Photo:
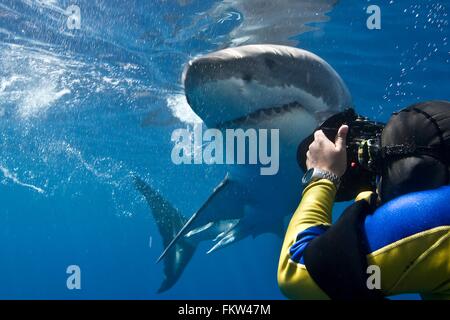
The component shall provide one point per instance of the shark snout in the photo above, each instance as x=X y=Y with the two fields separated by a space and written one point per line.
x=261 y=82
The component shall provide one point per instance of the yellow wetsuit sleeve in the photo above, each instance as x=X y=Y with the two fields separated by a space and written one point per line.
x=314 y=209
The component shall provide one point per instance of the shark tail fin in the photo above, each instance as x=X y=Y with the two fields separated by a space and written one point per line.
x=169 y=222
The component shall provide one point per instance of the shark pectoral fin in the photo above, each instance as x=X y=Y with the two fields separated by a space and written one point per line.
x=177 y=237
x=207 y=212
x=239 y=230
x=227 y=239
x=169 y=221
x=251 y=224
x=198 y=230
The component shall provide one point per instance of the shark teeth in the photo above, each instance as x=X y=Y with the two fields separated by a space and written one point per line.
x=265 y=113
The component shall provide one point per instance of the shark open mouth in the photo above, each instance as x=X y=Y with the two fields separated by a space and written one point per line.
x=261 y=114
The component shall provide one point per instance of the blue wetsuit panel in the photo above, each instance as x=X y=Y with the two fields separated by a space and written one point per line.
x=408 y=215
x=398 y=219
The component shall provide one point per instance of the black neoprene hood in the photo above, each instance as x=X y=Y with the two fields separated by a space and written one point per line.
x=420 y=135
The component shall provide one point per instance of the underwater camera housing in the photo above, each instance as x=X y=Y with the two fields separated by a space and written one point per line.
x=363 y=152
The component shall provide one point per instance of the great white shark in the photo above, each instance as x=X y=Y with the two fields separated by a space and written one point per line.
x=260 y=87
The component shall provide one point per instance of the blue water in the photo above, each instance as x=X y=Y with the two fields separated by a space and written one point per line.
x=81 y=111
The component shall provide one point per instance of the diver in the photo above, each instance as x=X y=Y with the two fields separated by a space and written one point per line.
x=398 y=175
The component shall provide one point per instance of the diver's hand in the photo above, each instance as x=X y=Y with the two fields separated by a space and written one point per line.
x=327 y=155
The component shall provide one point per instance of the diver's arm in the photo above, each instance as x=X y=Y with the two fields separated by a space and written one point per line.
x=315 y=207
x=312 y=215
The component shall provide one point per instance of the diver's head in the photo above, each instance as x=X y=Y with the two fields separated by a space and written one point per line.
x=415 y=146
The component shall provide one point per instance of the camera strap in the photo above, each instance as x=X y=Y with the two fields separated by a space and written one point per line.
x=409 y=150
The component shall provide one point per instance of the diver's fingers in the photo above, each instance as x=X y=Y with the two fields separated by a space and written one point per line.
x=341 y=138
x=319 y=135
x=320 y=138
x=314 y=146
